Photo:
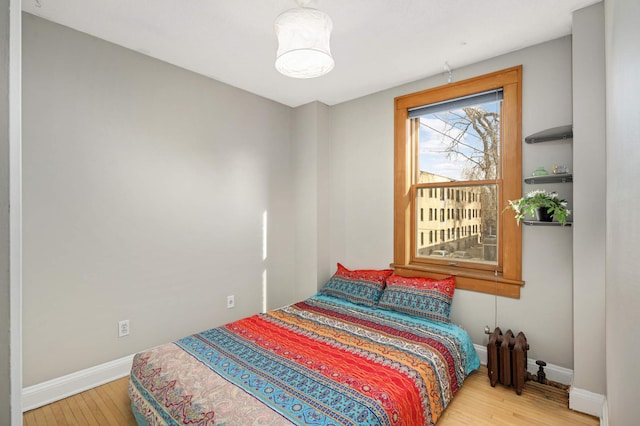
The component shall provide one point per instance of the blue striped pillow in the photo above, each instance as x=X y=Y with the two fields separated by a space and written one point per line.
x=362 y=286
x=420 y=297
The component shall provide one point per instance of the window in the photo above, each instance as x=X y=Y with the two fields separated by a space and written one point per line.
x=472 y=127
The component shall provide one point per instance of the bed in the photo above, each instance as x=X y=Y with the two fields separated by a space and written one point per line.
x=337 y=358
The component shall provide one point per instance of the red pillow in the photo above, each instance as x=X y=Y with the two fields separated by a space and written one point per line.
x=362 y=286
x=418 y=296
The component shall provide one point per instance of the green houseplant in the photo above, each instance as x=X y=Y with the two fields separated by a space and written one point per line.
x=543 y=205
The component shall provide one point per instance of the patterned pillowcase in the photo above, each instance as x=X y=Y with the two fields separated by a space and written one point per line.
x=363 y=286
x=420 y=297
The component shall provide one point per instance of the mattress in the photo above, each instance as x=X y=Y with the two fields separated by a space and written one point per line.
x=322 y=361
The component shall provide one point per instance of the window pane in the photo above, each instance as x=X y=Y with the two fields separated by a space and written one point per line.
x=470 y=238
x=465 y=165
x=461 y=144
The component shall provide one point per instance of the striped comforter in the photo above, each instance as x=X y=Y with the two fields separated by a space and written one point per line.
x=323 y=361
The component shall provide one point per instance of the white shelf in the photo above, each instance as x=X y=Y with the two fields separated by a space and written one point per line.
x=540 y=223
x=554 y=134
x=553 y=178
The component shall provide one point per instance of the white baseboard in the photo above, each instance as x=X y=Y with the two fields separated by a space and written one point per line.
x=579 y=399
x=588 y=402
x=54 y=390
x=604 y=419
x=553 y=372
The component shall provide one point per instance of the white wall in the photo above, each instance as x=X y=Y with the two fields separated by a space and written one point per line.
x=311 y=168
x=144 y=189
x=5 y=382
x=361 y=208
x=362 y=199
x=623 y=203
x=589 y=227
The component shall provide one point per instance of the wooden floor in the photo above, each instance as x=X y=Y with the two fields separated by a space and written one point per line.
x=108 y=404
x=477 y=403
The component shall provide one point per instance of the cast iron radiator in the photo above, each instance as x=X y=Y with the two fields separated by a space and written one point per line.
x=507 y=359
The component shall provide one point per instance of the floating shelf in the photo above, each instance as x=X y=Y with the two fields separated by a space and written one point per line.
x=556 y=133
x=554 y=178
x=539 y=223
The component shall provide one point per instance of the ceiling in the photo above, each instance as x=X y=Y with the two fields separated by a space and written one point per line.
x=376 y=44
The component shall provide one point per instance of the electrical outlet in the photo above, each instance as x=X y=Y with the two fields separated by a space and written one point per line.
x=123 y=328
x=231 y=301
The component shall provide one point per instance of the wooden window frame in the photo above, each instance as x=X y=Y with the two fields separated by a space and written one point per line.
x=505 y=280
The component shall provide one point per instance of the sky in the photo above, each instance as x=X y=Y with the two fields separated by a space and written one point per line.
x=432 y=148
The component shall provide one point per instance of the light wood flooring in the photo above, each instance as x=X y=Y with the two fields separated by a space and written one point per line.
x=477 y=403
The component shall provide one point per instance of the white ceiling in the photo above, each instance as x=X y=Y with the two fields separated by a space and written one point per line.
x=376 y=44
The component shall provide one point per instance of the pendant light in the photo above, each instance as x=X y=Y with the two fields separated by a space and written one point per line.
x=303 y=42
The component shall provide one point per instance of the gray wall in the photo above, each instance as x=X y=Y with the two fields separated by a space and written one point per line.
x=5 y=382
x=623 y=203
x=311 y=168
x=362 y=199
x=146 y=184
x=589 y=231
x=145 y=187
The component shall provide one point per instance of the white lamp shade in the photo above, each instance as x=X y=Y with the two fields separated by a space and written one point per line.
x=303 y=43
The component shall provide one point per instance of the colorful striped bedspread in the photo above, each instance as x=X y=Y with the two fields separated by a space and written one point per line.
x=323 y=361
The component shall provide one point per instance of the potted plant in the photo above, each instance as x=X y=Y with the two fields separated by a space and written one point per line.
x=544 y=206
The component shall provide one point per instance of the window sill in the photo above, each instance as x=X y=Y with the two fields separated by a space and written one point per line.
x=465 y=279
